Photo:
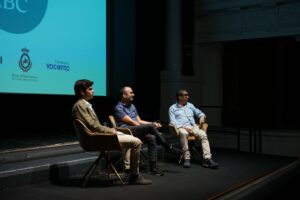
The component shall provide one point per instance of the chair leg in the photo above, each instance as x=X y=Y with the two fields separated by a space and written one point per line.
x=116 y=172
x=110 y=165
x=88 y=174
x=194 y=149
x=180 y=159
x=118 y=161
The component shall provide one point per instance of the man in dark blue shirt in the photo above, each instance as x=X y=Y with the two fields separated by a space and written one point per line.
x=126 y=115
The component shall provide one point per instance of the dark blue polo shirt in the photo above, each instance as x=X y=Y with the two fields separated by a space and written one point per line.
x=121 y=110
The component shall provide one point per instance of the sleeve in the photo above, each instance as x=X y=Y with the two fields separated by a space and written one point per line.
x=93 y=123
x=172 y=118
x=197 y=112
x=119 y=112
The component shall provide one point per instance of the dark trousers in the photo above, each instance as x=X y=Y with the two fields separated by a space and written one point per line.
x=150 y=135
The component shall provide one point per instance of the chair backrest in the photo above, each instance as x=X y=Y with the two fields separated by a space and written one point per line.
x=114 y=125
x=94 y=141
x=112 y=121
x=173 y=129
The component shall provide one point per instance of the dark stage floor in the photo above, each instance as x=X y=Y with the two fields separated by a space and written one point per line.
x=237 y=169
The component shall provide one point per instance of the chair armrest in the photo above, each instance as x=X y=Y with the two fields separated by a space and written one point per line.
x=112 y=121
x=103 y=141
x=124 y=130
x=173 y=129
x=203 y=126
x=102 y=134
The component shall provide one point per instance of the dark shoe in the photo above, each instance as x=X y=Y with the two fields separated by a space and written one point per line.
x=174 y=150
x=138 y=180
x=126 y=174
x=187 y=163
x=156 y=172
x=209 y=163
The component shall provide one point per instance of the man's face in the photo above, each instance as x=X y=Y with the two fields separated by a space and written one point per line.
x=88 y=93
x=128 y=94
x=183 y=97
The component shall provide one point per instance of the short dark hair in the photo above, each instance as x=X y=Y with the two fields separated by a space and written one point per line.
x=179 y=93
x=82 y=85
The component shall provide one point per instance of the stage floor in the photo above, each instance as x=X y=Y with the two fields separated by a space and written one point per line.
x=237 y=169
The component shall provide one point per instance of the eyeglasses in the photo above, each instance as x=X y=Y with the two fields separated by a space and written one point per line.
x=184 y=95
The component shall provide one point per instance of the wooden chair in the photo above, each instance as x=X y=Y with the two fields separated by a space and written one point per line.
x=102 y=142
x=191 y=138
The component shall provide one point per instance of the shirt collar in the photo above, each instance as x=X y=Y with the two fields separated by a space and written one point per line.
x=180 y=106
x=125 y=105
x=86 y=102
x=89 y=105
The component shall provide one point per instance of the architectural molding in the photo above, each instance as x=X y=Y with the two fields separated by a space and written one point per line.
x=236 y=22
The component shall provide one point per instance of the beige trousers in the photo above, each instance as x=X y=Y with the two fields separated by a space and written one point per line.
x=200 y=135
x=132 y=145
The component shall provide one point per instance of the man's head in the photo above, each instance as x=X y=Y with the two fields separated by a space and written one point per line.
x=182 y=96
x=126 y=94
x=84 y=89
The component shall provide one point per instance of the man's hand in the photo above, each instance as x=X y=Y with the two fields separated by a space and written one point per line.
x=156 y=124
x=114 y=131
x=189 y=129
x=202 y=120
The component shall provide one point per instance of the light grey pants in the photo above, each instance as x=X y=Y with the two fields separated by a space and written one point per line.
x=134 y=145
x=200 y=135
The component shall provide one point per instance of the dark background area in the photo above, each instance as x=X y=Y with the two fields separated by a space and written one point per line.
x=261 y=82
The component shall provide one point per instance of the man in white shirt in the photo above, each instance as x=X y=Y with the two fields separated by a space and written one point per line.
x=182 y=114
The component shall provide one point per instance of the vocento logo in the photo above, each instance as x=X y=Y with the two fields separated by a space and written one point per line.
x=21 y=16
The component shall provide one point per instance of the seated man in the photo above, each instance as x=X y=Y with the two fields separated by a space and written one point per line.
x=126 y=115
x=182 y=114
x=83 y=110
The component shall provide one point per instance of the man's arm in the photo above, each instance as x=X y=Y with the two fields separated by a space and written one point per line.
x=93 y=123
x=197 y=112
x=126 y=119
x=140 y=121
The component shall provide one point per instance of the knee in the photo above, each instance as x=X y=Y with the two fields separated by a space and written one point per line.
x=150 y=138
x=150 y=128
x=137 y=142
x=183 y=134
x=202 y=136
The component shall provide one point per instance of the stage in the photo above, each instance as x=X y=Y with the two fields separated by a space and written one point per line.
x=241 y=175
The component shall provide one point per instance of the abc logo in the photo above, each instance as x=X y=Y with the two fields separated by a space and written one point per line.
x=21 y=16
